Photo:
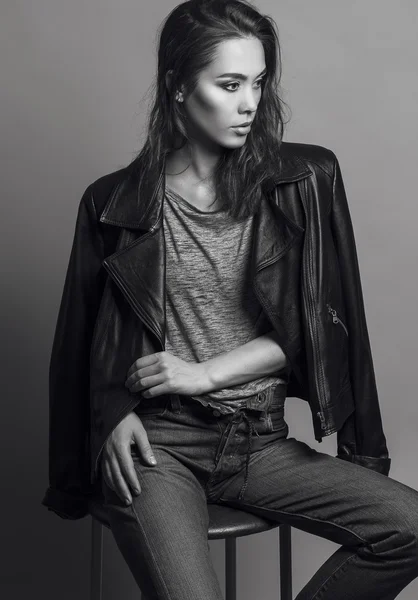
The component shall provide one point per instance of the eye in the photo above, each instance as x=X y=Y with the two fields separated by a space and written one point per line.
x=226 y=87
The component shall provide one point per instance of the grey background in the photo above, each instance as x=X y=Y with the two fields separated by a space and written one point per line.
x=73 y=87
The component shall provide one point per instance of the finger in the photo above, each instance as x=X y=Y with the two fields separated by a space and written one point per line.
x=146 y=382
x=138 y=376
x=128 y=469
x=144 y=447
x=159 y=390
x=144 y=361
x=121 y=487
x=134 y=367
x=107 y=475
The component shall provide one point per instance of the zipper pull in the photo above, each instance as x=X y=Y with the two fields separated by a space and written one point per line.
x=333 y=312
x=335 y=319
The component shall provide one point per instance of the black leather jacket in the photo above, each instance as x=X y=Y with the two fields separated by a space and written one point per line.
x=305 y=274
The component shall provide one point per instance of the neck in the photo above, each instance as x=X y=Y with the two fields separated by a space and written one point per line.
x=194 y=161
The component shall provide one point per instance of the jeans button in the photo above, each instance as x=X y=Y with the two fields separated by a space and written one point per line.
x=216 y=413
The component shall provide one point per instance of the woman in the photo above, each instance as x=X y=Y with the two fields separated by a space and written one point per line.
x=209 y=280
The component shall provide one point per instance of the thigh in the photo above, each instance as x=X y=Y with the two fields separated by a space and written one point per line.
x=163 y=534
x=346 y=503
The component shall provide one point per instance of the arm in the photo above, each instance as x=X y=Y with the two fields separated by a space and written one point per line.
x=69 y=405
x=361 y=439
x=257 y=358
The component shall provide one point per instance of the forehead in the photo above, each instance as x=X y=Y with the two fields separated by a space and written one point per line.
x=242 y=55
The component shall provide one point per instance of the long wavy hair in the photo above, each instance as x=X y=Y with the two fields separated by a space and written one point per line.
x=188 y=41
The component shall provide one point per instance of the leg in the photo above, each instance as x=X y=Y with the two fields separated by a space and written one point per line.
x=373 y=517
x=163 y=534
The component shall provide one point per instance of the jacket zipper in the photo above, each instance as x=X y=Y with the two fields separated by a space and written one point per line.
x=319 y=368
x=335 y=318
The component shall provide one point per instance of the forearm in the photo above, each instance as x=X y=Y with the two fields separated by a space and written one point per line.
x=257 y=358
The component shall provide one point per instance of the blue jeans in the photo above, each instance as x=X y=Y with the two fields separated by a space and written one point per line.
x=247 y=460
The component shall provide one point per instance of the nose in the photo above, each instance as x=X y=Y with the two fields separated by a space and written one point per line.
x=249 y=103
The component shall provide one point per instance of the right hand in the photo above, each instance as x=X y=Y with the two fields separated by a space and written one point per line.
x=117 y=465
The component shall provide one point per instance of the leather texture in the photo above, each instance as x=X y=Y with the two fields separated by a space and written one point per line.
x=305 y=273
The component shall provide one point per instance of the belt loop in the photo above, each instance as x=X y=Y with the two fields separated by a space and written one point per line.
x=278 y=393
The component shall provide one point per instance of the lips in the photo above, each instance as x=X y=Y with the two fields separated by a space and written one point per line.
x=244 y=124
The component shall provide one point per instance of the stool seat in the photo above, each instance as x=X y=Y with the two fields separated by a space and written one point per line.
x=224 y=521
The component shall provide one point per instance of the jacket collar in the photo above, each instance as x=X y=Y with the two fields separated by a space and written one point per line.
x=123 y=207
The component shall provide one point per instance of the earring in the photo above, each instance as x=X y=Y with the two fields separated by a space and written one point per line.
x=179 y=97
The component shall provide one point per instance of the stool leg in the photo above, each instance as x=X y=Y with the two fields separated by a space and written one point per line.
x=285 y=544
x=231 y=568
x=96 y=564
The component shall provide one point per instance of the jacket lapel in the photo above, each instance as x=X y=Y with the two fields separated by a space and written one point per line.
x=138 y=264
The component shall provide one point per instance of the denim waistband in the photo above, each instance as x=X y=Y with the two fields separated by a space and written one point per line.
x=270 y=399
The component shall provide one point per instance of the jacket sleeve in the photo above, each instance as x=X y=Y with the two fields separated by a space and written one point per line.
x=69 y=405
x=361 y=439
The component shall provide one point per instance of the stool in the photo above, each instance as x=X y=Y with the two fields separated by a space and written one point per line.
x=225 y=523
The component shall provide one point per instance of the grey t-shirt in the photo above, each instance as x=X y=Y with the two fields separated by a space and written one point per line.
x=211 y=307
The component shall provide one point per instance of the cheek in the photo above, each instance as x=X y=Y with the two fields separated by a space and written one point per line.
x=211 y=108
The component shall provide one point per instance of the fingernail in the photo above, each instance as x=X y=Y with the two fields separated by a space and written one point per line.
x=152 y=460
x=127 y=500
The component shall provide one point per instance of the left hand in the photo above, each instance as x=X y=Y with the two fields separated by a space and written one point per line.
x=164 y=373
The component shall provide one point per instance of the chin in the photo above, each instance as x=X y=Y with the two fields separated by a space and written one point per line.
x=239 y=141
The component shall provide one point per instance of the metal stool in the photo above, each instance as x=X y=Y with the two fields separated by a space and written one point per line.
x=224 y=523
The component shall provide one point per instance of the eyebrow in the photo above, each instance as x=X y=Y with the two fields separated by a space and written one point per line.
x=240 y=75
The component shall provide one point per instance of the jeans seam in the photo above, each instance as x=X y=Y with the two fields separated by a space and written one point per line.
x=298 y=515
x=395 y=505
x=349 y=558
x=327 y=488
x=150 y=549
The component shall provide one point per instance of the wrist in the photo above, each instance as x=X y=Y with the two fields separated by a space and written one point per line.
x=205 y=378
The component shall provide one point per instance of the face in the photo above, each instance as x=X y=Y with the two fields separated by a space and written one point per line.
x=220 y=102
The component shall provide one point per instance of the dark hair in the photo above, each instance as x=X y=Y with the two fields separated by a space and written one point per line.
x=188 y=40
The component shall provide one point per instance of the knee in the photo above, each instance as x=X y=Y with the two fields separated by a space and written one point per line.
x=400 y=541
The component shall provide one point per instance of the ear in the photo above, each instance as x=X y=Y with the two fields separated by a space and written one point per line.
x=168 y=78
